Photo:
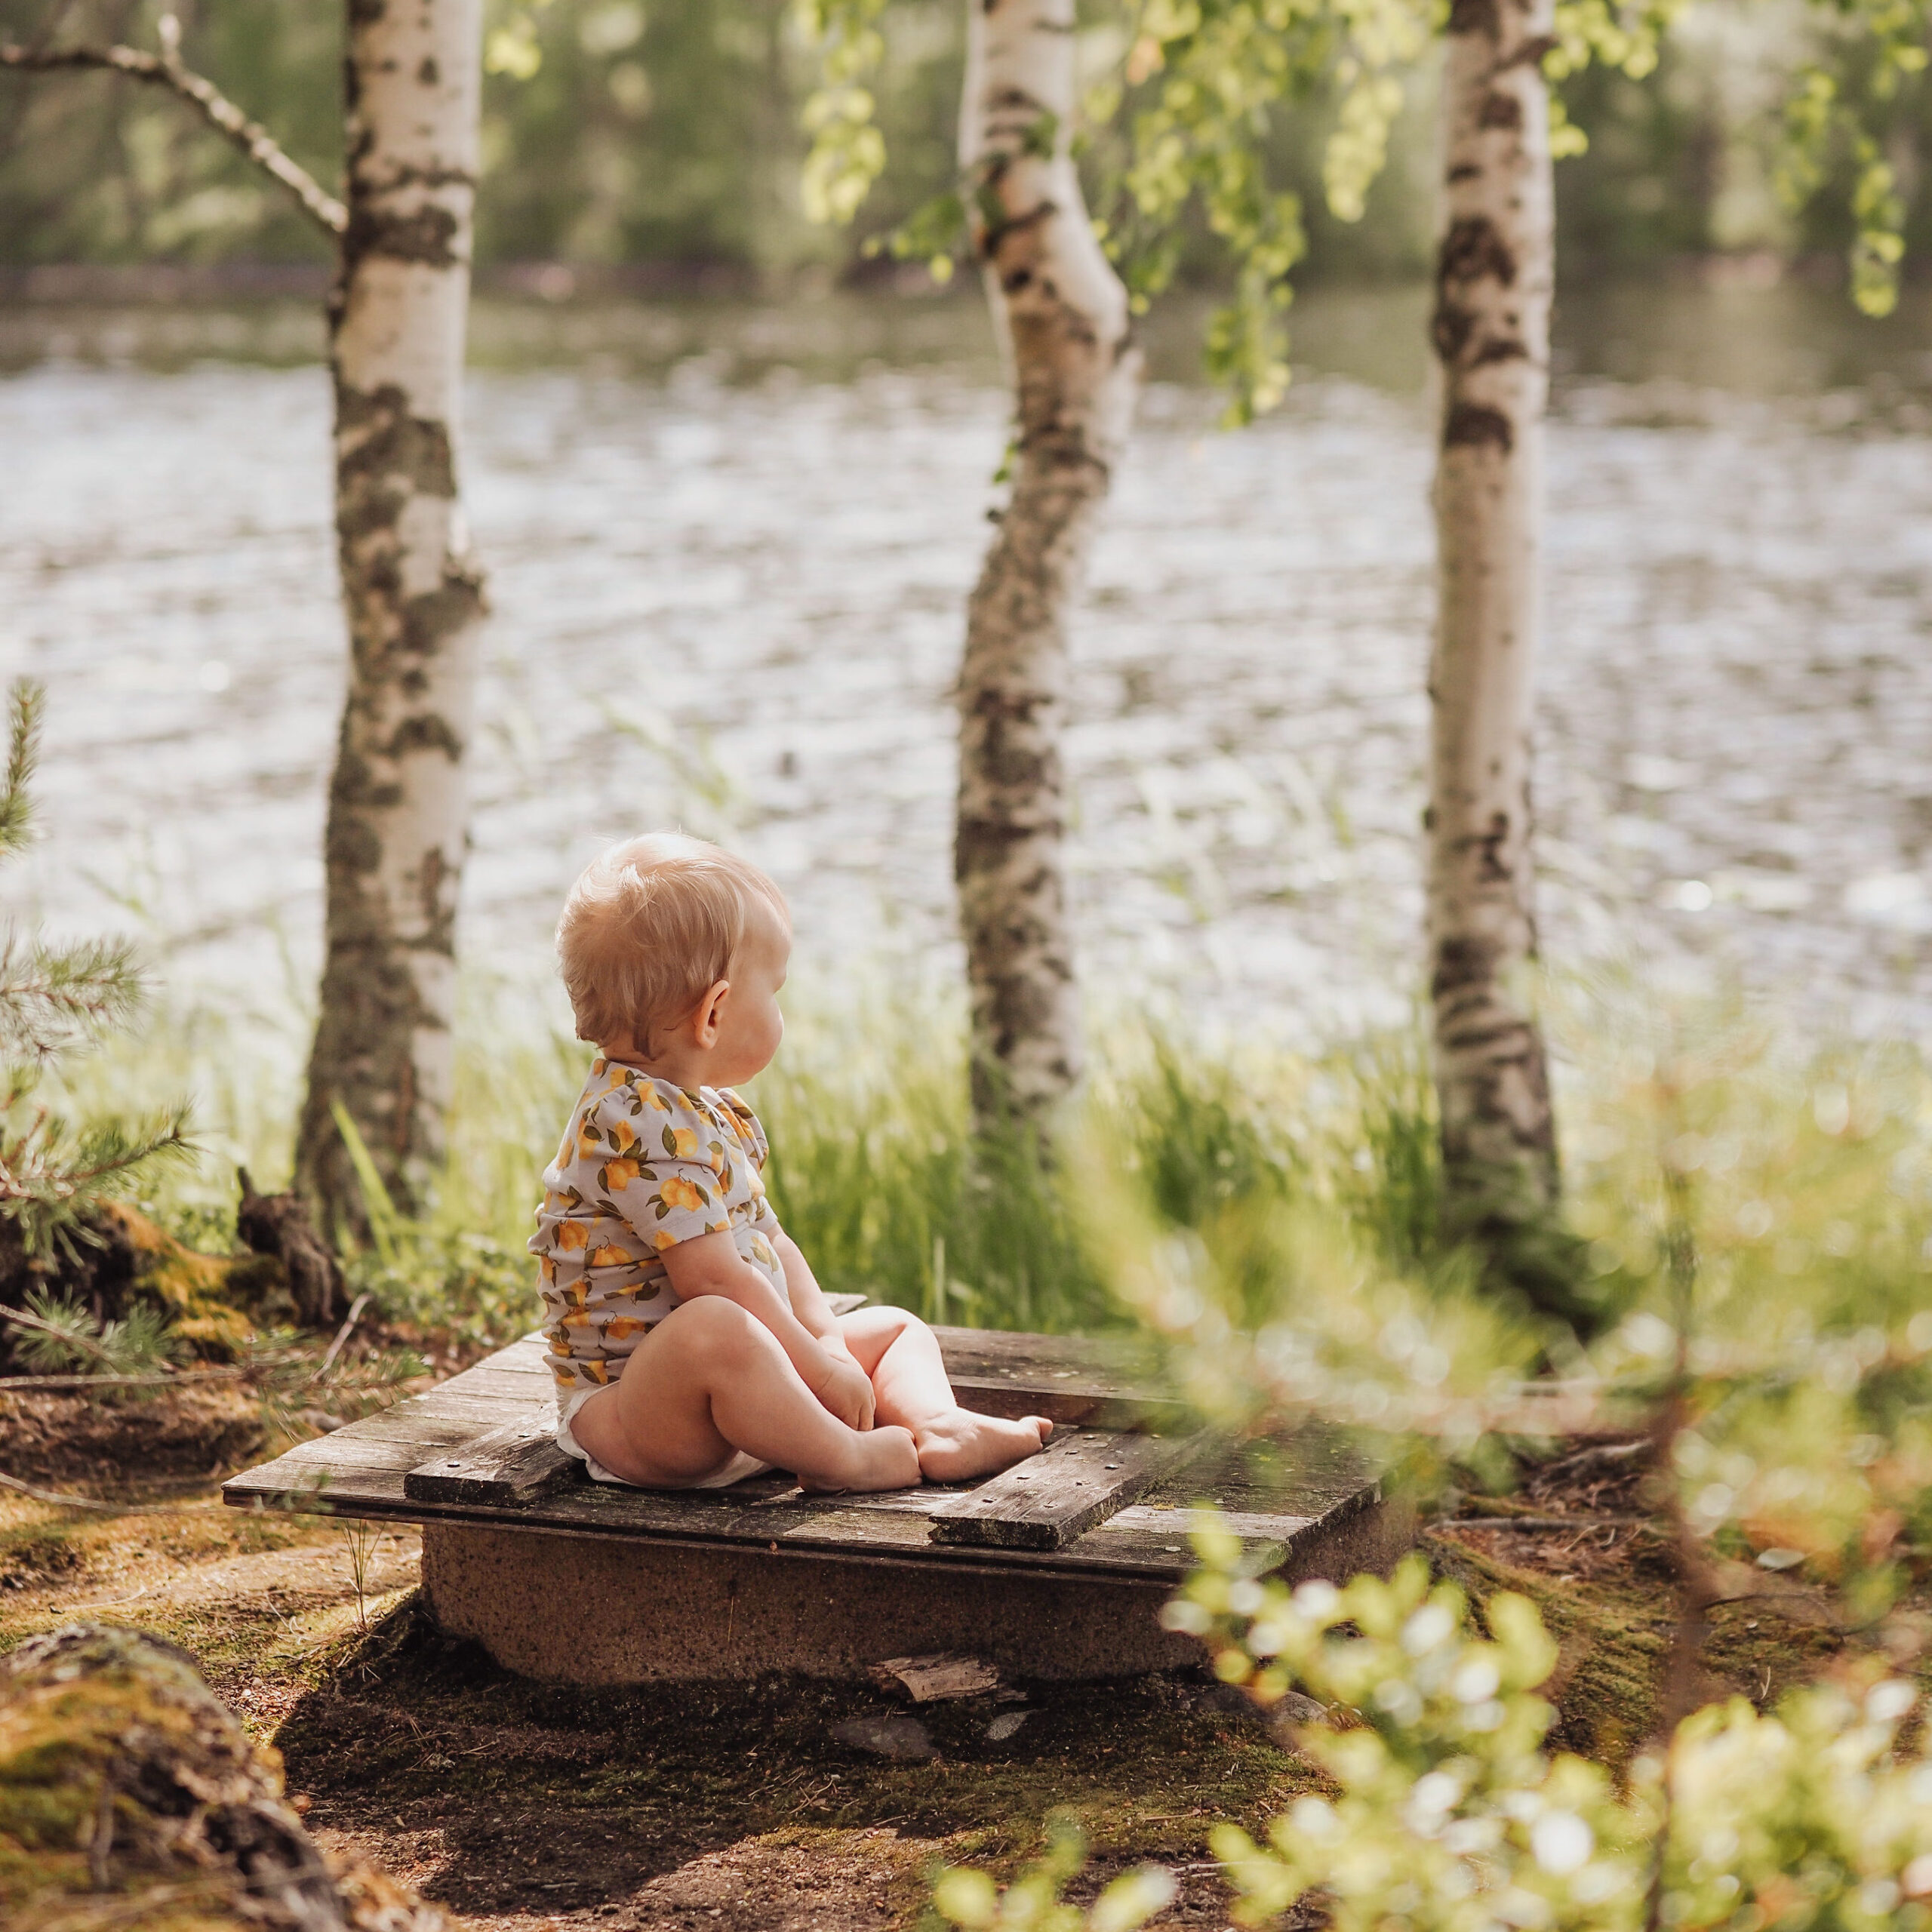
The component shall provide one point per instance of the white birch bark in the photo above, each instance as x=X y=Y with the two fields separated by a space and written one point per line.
x=1495 y=272
x=1062 y=314
x=383 y=1047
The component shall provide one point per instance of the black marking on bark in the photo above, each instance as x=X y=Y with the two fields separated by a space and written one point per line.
x=1500 y=110
x=1529 y=53
x=352 y=844
x=424 y=733
x=1017 y=280
x=408 y=175
x=428 y=75
x=1011 y=96
x=1461 y=963
x=440 y=613
x=424 y=235
x=1474 y=247
x=1464 y=171
x=1504 y=349
x=366 y=13
x=997 y=234
x=383 y=439
x=981 y=845
x=1474 y=425
x=1475 y=17
x=430 y=900
x=1451 y=327
x=1488 y=847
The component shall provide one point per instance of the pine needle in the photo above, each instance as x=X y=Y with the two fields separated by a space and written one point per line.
x=26 y=706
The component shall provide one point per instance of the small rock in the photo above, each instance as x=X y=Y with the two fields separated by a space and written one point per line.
x=1005 y=1725
x=1292 y=1707
x=902 y=1740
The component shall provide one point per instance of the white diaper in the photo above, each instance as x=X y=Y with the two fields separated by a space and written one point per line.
x=739 y=1467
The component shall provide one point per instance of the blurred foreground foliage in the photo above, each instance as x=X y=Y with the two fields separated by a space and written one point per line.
x=1445 y=1811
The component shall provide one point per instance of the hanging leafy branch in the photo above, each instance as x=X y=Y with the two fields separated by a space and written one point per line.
x=1202 y=81
x=847 y=152
x=1821 y=122
x=1594 y=32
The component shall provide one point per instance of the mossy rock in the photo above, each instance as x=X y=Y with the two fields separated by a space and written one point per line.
x=129 y=1793
x=121 y=1257
x=196 y=1291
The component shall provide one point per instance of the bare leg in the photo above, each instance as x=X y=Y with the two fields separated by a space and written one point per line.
x=901 y=1354
x=709 y=1379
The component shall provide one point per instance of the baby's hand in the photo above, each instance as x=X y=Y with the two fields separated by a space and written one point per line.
x=848 y=1391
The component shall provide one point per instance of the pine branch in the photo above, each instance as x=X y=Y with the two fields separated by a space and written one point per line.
x=46 y=996
x=26 y=703
x=47 y=1175
x=164 y=69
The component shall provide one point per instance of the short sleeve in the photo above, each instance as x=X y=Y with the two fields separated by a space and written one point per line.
x=745 y=1125
x=659 y=1165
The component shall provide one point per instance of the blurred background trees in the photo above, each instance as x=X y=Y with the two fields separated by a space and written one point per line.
x=663 y=135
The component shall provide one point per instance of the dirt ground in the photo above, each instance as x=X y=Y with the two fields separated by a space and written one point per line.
x=518 y=1805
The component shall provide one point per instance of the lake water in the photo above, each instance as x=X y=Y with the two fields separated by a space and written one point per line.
x=728 y=550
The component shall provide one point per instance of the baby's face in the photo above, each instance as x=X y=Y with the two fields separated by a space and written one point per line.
x=750 y=1024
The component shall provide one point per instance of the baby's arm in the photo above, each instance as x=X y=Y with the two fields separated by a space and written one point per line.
x=814 y=1312
x=711 y=1264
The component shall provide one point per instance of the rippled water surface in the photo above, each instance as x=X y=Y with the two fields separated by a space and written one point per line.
x=728 y=552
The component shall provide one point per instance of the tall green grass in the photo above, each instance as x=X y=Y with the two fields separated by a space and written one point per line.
x=1809 y=1168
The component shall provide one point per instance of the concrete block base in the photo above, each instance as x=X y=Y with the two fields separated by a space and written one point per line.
x=584 y=1610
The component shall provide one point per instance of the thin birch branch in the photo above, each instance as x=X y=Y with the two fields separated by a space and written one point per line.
x=61 y=1499
x=164 y=69
x=342 y=1335
x=13 y=1385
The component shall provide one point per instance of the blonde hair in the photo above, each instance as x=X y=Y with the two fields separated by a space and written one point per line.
x=650 y=926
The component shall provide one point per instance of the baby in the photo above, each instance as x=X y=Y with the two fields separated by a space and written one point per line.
x=692 y=1347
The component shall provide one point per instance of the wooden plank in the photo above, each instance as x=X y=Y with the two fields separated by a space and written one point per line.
x=516 y=1461
x=1074 y=1381
x=1111 y=1360
x=405 y=1422
x=1069 y=1406
x=1081 y=1478
x=344 y=1453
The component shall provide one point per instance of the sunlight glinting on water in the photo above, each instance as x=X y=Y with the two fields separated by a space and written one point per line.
x=739 y=608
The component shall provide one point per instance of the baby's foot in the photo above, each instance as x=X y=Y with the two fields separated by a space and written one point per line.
x=882 y=1458
x=960 y=1443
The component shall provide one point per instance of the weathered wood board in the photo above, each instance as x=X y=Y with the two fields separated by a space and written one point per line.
x=1081 y=1478
x=477 y=1449
x=515 y=1461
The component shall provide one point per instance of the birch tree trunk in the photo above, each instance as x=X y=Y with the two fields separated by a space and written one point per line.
x=383 y=1048
x=1062 y=314
x=1494 y=275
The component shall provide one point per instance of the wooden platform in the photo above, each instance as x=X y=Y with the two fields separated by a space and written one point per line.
x=1057 y=1568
